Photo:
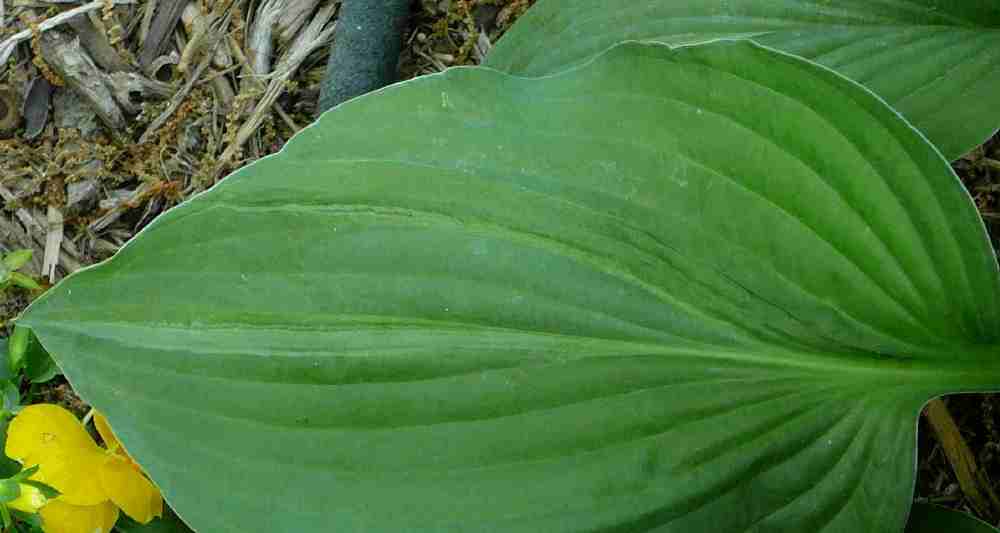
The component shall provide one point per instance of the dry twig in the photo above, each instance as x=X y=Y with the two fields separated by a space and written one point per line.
x=293 y=17
x=312 y=37
x=259 y=42
x=972 y=479
x=161 y=27
x=196 y=23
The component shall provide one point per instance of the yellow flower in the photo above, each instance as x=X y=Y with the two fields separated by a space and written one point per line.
x=94 y=483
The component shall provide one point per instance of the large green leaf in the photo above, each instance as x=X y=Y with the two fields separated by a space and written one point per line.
x=936 y=61
x=703 y=289
x=933 y=519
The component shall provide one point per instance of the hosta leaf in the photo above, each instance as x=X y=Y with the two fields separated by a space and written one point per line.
x=933 y=519
x=703 y=289
x=936 y=61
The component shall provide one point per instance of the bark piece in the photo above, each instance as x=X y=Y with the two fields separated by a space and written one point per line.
x=82 y=196
x=157 y=69
x=70 y=111
x=131 y=87
x=36 y=107
x=165 y=19
x=293 y=17
x=116 y=205
x=68 y=58
x=97 y=45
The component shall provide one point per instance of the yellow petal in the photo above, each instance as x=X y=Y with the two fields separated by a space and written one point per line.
x=30 y=500
x=75 y=475
x=107 y=435
x=41 y=429
x=68 y=459
x=60 y=517
x=130 y=490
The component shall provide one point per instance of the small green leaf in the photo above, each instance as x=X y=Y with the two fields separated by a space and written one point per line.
x=17 y=259
x=26 y=473
x=22 y=477
x=24 y=282
x=8 y=466
x=40 y=367
x=48 y=491
x=27 y=353
x=5 y=372
x=17 y=349
x=10 y=489
x=5 y=514
x=925 y=518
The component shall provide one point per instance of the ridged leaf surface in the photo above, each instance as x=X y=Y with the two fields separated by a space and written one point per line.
x=936 y=61
x=695 y=290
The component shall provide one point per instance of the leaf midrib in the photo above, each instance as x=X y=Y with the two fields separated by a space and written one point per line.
x=961 y=371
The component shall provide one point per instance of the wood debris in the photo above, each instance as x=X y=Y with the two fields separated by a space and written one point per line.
x=10 y=112
x=71 y=62
x=35 y=108
x=260 y=39
x=158 y=100
x=161 y=98
x=973 y=480
x=292 y=18
x=180 y=96
x=166 y=15
x=315 y=35
x=197 y=22
x=96 y=43
x=7 y=47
